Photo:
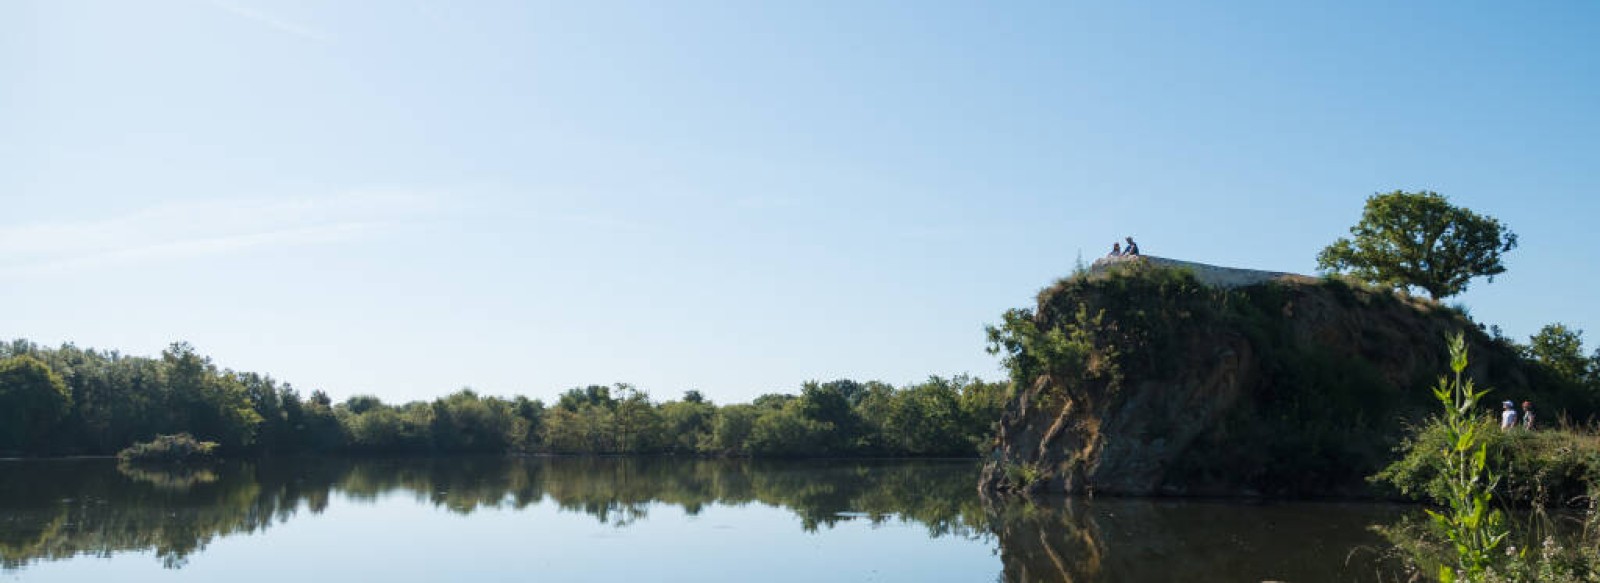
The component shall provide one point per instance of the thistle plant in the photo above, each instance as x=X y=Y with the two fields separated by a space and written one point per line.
x=1467 y=521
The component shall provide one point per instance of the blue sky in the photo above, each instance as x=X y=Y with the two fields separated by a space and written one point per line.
x=403 y=198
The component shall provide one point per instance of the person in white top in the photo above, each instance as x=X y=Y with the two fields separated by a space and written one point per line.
x=1508 y=416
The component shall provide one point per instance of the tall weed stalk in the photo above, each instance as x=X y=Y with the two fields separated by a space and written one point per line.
x=1467 y=521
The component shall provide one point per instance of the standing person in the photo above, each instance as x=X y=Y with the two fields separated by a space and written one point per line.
x=1116 y=249
x=1508 y=415
x=1527 y=415
x=1133 y=248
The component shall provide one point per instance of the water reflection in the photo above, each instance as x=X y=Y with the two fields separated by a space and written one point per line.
x=54 y=510
x=61 y=509
x=1125 y=539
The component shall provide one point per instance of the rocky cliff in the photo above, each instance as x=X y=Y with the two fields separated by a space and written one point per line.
x=1157 y=377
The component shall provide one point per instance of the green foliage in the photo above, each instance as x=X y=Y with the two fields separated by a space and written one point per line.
x=170 y=449
x=1092 y=326
x=33 y=399
x=1022 y=477
x=105 y=401
x=689 y=423
x=1030 y=353
x=315 y=424
x=1560 y=350
x=1556 y=467
x=789 y=432
x=1420 y=239
x=465 y=422
x=941 y=416
x=772 y=400
x=637 y=422
x=829 y=410
x=1553 y=467
x=1467 y=522
x=362 y=403
x=731 y=429
x=981 y=404
x=1420 y=472
x=210 y=403
x=1551 y=562
x=379 y=428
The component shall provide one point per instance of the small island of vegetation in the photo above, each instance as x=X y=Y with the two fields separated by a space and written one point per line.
x=169 y=449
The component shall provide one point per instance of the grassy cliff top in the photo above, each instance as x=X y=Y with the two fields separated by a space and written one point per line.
x=1212 y=275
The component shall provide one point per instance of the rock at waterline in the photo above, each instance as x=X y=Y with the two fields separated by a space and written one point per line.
x=1180 y=378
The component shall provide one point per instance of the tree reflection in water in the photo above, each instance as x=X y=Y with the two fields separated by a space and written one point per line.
x=59 y=509
x=52 y=510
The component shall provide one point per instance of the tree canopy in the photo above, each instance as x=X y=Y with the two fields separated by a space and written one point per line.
x=1420 y=239
x=70 y=400
x=32 y=399
x=1560 y=349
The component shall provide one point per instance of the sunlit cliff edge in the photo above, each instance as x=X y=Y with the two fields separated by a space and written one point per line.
x=1153 y=376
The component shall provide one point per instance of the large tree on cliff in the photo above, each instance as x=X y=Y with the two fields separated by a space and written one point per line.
x=1420 y=239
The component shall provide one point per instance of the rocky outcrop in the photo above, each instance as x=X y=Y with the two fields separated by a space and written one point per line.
x=1154 y=377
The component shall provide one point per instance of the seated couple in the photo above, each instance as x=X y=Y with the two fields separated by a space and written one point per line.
x=1118 y=251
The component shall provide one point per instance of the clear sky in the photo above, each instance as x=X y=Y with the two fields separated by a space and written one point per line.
x=404 y=198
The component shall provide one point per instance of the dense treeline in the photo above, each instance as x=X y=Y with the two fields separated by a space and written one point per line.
x=70 y=400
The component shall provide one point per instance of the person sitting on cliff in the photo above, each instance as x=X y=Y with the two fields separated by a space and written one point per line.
x=1508 y=415
x=1133 y=248
x=1116 y=249
x=1527 y=415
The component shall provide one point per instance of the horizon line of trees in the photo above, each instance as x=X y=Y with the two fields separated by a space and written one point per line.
x=75 y=401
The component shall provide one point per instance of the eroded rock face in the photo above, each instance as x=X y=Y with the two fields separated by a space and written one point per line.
x=1287 y=386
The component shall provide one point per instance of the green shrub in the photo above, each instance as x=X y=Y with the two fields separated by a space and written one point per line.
x=1462 y=461
x=1022 y=476
x=171 y=449
x=1556 y=467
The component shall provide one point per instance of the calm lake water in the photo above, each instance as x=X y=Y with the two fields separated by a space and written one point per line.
x=642 y=519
